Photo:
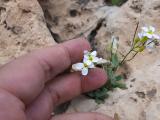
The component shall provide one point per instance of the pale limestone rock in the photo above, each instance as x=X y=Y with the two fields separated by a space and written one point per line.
x=69 y=19
x=153 y=110
x=142 y=98
x=22 y=28
x=82 y=103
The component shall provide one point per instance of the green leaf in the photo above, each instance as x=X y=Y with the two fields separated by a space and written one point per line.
x=110 y=73
x=119 y=77
x=99 y=95
x=139 y=42
x=139 y=49
x=117 y=2
x=144 y=39
x=136 y=49
x=119 y=85
x=114 y=60
x=99 y=101
x=136 y=40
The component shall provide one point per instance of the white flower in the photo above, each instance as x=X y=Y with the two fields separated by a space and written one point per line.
x=90 y=60
x=149 y=29
x=149 y=32
x=83 y=67
x=114 y=44
x=90 y=57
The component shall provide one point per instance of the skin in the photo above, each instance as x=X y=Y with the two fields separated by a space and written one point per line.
x=31 y=86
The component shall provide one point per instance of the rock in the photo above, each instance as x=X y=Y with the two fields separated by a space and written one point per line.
x=141 y=100
x=153 y=110
x=76 y=18
x=22 y=28
x=82 y=103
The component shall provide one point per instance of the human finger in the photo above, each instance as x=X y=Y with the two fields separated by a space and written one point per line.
x=62 y=89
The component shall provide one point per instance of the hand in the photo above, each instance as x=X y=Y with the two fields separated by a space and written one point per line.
x=33 y=85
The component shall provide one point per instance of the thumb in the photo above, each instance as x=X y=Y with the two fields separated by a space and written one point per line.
x=82 y=116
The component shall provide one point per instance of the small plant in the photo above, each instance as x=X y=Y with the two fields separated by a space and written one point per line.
x=111 y=69
x=147 y=39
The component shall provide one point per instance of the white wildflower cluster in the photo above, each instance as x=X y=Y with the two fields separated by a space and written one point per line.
x=90 y=60
x=150 y=34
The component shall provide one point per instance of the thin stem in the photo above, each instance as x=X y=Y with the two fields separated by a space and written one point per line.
x=126 y=56
x=132 y=48
x=135 y=34
x=133 y=56
x=122 y=54
x=150 y=42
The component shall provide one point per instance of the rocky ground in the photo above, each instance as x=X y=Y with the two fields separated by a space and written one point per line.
x=22 y=28
x=27 y=25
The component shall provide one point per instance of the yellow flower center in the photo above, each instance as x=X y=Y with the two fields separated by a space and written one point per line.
x=90 y=58
x=150 y=32
x=85 y=65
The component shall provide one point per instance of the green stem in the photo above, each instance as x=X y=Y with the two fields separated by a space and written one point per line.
x=134 y=36
x=111 y=49
x=133 y=56
x=150 y=42
x=126 y=56
x=132 y=45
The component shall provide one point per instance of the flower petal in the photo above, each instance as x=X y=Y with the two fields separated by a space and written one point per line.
x=152 y=28
x=145 y=29
x=103 y=61
x=86 y=57
x=91 y=66
x=140 y=35
x=78 y=66
x=157 y=37
x=84 y=71
x=95 y=59
x=88 y=62
x=94 y=53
